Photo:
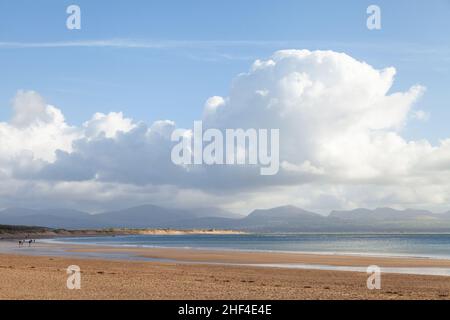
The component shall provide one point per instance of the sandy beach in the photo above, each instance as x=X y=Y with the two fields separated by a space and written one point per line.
x=202 y=274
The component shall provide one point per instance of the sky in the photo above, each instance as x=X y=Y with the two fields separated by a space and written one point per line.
x=134 y=63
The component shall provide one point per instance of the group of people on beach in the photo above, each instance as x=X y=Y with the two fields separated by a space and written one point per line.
x=30 y=241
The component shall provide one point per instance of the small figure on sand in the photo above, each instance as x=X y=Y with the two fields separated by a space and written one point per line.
x=30 y=241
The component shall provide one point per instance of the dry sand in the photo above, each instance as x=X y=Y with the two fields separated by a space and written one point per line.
x=44 y=277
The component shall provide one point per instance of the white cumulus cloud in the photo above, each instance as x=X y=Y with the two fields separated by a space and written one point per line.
x=341 y=144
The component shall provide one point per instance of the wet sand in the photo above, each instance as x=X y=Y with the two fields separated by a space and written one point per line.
x=25 y=275
x=249 y=257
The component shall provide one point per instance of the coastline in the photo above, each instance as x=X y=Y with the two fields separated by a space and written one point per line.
x=168 y=273
x=45 y=233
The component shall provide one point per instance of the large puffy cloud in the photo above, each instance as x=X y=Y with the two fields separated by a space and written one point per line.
x=107 y=125
x=36 y=127
x=335 y=113
x=340 y=144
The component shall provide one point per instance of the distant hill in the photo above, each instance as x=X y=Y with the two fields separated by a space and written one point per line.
x=216 y=212
x=381 y=214
x=280 y=219
x=145 y=216
x=51 y=218
x=388 y=219
x=287 y=218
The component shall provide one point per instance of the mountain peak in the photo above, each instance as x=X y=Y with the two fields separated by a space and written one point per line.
x=280 y=219
x=282 y=211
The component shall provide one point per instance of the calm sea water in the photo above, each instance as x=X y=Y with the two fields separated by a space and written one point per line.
x=418 y=245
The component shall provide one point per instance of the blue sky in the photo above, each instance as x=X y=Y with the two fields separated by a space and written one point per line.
x=157 y=60
x=202 y=46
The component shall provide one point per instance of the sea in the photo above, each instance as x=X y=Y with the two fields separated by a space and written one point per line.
x=401 y=245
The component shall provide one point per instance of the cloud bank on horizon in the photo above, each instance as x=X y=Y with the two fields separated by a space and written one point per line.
x=340 y=146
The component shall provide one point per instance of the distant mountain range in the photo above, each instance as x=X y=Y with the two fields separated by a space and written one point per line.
x=280 y=219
